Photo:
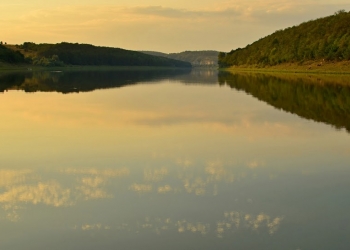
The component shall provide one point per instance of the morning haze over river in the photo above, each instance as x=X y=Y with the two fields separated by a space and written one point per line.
x=174 y=159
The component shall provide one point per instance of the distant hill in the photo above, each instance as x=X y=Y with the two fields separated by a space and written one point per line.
x=207 y=58
x=323 y=39
x=85 y=54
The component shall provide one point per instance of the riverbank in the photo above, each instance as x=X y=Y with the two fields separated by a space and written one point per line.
x=294 y=77
x=319 y=67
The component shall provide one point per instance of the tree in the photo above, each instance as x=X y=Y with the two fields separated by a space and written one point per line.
x=340 y=12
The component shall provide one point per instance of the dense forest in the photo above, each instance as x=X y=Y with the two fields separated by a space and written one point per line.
x=205 y=58
x=9 y=56
x=326 y=38
x=85 y=54
x=319 y=100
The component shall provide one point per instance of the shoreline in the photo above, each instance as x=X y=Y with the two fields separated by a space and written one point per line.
x=309 y=67
x=319 y=78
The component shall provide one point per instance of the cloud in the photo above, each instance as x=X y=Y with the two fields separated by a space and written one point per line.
x=162 y=12
x=172 y=13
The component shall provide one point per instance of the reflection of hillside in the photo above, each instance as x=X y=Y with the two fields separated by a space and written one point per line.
x=82 y=81
x=200 y=76
x=317 y=98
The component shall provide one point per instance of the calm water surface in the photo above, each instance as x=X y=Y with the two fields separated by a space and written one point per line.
x=173 y=160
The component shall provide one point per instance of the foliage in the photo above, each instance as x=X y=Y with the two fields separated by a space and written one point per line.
x=10 y=56
x=326 y=38
x=320 y=101
x=47 y=62
x=85 y=54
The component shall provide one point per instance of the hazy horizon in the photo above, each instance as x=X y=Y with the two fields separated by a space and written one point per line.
x=153 y=25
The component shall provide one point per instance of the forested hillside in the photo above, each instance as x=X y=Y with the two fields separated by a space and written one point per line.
x=84 y=54
x=323 y=39
x=196 y=58
x=10 y=56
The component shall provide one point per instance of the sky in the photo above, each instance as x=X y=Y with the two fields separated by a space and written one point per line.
x=165 y=26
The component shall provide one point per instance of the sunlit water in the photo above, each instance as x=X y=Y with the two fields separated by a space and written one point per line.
x=169 y=160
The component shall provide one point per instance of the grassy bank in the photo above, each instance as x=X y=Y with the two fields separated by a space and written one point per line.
x=297 y=76
x=319 y=79
x=13 y=67
x=322 y=67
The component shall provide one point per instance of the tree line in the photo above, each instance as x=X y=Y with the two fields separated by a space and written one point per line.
x=86 y=54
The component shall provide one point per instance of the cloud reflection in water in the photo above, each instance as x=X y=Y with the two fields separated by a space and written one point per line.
x=23 y=187
x=232 y=222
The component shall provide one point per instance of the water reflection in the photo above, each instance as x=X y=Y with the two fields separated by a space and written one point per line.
x=82 y=81
x=20 y=188
x=12 y=177
x=320 y=98
x=169 y=164
x=230 y=223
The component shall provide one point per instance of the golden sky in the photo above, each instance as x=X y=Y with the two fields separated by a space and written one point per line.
x=166 y=26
